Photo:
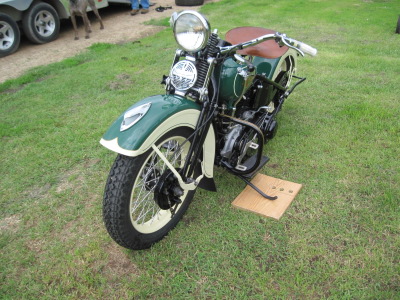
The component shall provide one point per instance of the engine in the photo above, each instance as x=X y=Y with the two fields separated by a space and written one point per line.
x=253 y=126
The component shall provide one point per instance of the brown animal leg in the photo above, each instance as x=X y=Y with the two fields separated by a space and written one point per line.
x=87 y=26
x=73 y=20
x=96 y=12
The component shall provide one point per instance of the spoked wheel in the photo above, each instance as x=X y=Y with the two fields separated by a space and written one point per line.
x=143 y=200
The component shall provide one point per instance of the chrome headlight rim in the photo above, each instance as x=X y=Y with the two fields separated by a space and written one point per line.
x=206 y=30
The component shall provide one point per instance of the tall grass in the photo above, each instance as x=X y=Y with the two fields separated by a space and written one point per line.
x=338 y=136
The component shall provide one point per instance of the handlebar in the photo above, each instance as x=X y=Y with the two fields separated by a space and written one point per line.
x=307 y=49
x=281 y=39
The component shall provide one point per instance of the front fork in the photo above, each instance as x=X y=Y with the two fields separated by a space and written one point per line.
x=191 y=163
x=186 y=186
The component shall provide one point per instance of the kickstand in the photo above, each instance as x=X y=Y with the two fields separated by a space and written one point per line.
x=257 y=189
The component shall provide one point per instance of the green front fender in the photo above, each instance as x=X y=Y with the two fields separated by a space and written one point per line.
x=165 y=113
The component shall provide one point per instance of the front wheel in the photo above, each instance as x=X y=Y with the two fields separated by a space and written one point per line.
x=142 y=200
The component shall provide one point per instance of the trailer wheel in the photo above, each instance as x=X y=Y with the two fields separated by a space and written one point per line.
x=9 y=35
x=189 y=2
x=41 y=23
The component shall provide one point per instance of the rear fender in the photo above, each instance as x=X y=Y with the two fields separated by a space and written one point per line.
x=271 y=67
x=166 y=112
x=287 y=62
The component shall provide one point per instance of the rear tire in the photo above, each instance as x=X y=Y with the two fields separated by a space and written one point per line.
x=189 y=2
x=9 y=35
x=131 y=215
x=41 y=23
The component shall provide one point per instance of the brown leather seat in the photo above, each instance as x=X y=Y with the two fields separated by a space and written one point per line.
x=267 y=49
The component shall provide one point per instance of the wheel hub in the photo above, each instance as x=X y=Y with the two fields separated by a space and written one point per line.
x=167 y=192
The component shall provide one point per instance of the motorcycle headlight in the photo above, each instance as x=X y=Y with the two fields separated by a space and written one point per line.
x=191 y=31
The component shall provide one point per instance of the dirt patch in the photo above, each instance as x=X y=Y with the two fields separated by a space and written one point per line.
x=120 y=27
x=10 y=224
x=118 y=264
x=121 y=81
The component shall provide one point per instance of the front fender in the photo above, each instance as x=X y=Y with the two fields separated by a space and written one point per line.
x=165 y=113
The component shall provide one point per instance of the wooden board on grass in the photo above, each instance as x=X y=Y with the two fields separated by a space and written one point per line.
x=252 y=201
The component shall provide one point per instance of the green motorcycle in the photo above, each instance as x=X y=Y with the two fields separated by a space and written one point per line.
x=220 y=106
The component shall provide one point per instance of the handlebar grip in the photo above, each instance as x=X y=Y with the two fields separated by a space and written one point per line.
x=307 y=49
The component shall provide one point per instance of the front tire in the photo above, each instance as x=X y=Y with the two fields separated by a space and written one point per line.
x=9 y=35
x=130 y=211
x=41 y=23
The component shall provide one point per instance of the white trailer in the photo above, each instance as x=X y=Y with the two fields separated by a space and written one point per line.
x=38 y=19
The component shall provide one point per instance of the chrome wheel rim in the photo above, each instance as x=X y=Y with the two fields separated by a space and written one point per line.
x=45 y=24
x=146 y=215
x=7 y=36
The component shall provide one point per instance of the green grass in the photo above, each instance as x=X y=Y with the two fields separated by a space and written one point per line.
x=339 y=136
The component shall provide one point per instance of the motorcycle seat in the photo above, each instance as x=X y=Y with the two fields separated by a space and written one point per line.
x=267 y=49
